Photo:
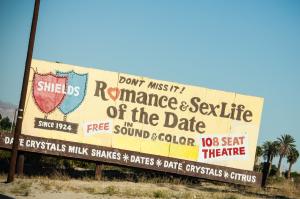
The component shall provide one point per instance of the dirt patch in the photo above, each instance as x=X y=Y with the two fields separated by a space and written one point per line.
x=44 y=187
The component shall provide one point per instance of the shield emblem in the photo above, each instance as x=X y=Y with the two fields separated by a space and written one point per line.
x=76 y=91
x=48 y=91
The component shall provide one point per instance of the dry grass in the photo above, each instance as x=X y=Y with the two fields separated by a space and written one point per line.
x=285 y=188
x=40 y=187
x=59 y=176
x=21 y=188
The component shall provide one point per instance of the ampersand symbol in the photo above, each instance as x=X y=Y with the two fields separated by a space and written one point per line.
x=183 y=106
x=153 y=137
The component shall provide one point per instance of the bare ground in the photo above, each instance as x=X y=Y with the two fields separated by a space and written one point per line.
x=64 y=187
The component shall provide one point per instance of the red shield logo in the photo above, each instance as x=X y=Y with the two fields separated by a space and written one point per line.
x=48 y=91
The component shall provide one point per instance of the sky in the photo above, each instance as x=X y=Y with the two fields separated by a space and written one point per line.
x=249 y=47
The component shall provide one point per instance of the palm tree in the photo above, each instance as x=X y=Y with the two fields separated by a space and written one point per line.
x=258 y=154
x=286 y=143
x=270 y=150
x=292 y=158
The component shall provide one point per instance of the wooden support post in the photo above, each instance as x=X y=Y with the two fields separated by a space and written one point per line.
x=98 y=171
x=20 y=164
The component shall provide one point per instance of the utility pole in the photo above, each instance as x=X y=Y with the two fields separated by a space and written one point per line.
x=14 y=151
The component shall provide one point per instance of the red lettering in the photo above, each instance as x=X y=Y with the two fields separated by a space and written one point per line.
x=205 y=153
x=98 y=127
x=235 y=151
x=89 y=127
x=232 y=141
x=95 y=127
x=212 y=153
x=242 y=150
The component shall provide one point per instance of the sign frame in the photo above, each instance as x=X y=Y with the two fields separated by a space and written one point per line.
x=205 y=171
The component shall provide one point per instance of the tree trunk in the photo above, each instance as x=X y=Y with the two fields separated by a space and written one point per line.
x=278 y=173
x=269 y=160
x=289 y=172
x=255 y=161
x=269 y=169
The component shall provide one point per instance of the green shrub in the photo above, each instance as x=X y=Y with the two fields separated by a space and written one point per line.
x=160 y=194
x=111 y=190
x=4 y=155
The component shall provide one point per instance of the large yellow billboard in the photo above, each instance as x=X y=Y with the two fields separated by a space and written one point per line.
x=122 y=111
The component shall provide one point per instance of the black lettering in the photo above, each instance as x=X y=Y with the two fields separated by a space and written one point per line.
x=122 y=79
x=142 y=98
x=190 y=142
x=200 y=125
x=194 y=105
x=153 y=119
x=134 y=81
x=223 y=110
x=117 y=129
x=183 y=124
x=161 y=100
x=165 y=87
x=152 y=85
x=151 y=98
x=127 y=95
x=100 y=88
x=213 y=109
x=172 y=101
x=170 y=116
x=203 y=106
x=246 y=115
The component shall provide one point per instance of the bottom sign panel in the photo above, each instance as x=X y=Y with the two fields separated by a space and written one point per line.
x=132 y=159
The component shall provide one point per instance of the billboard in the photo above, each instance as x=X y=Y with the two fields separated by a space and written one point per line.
x=137 y=121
